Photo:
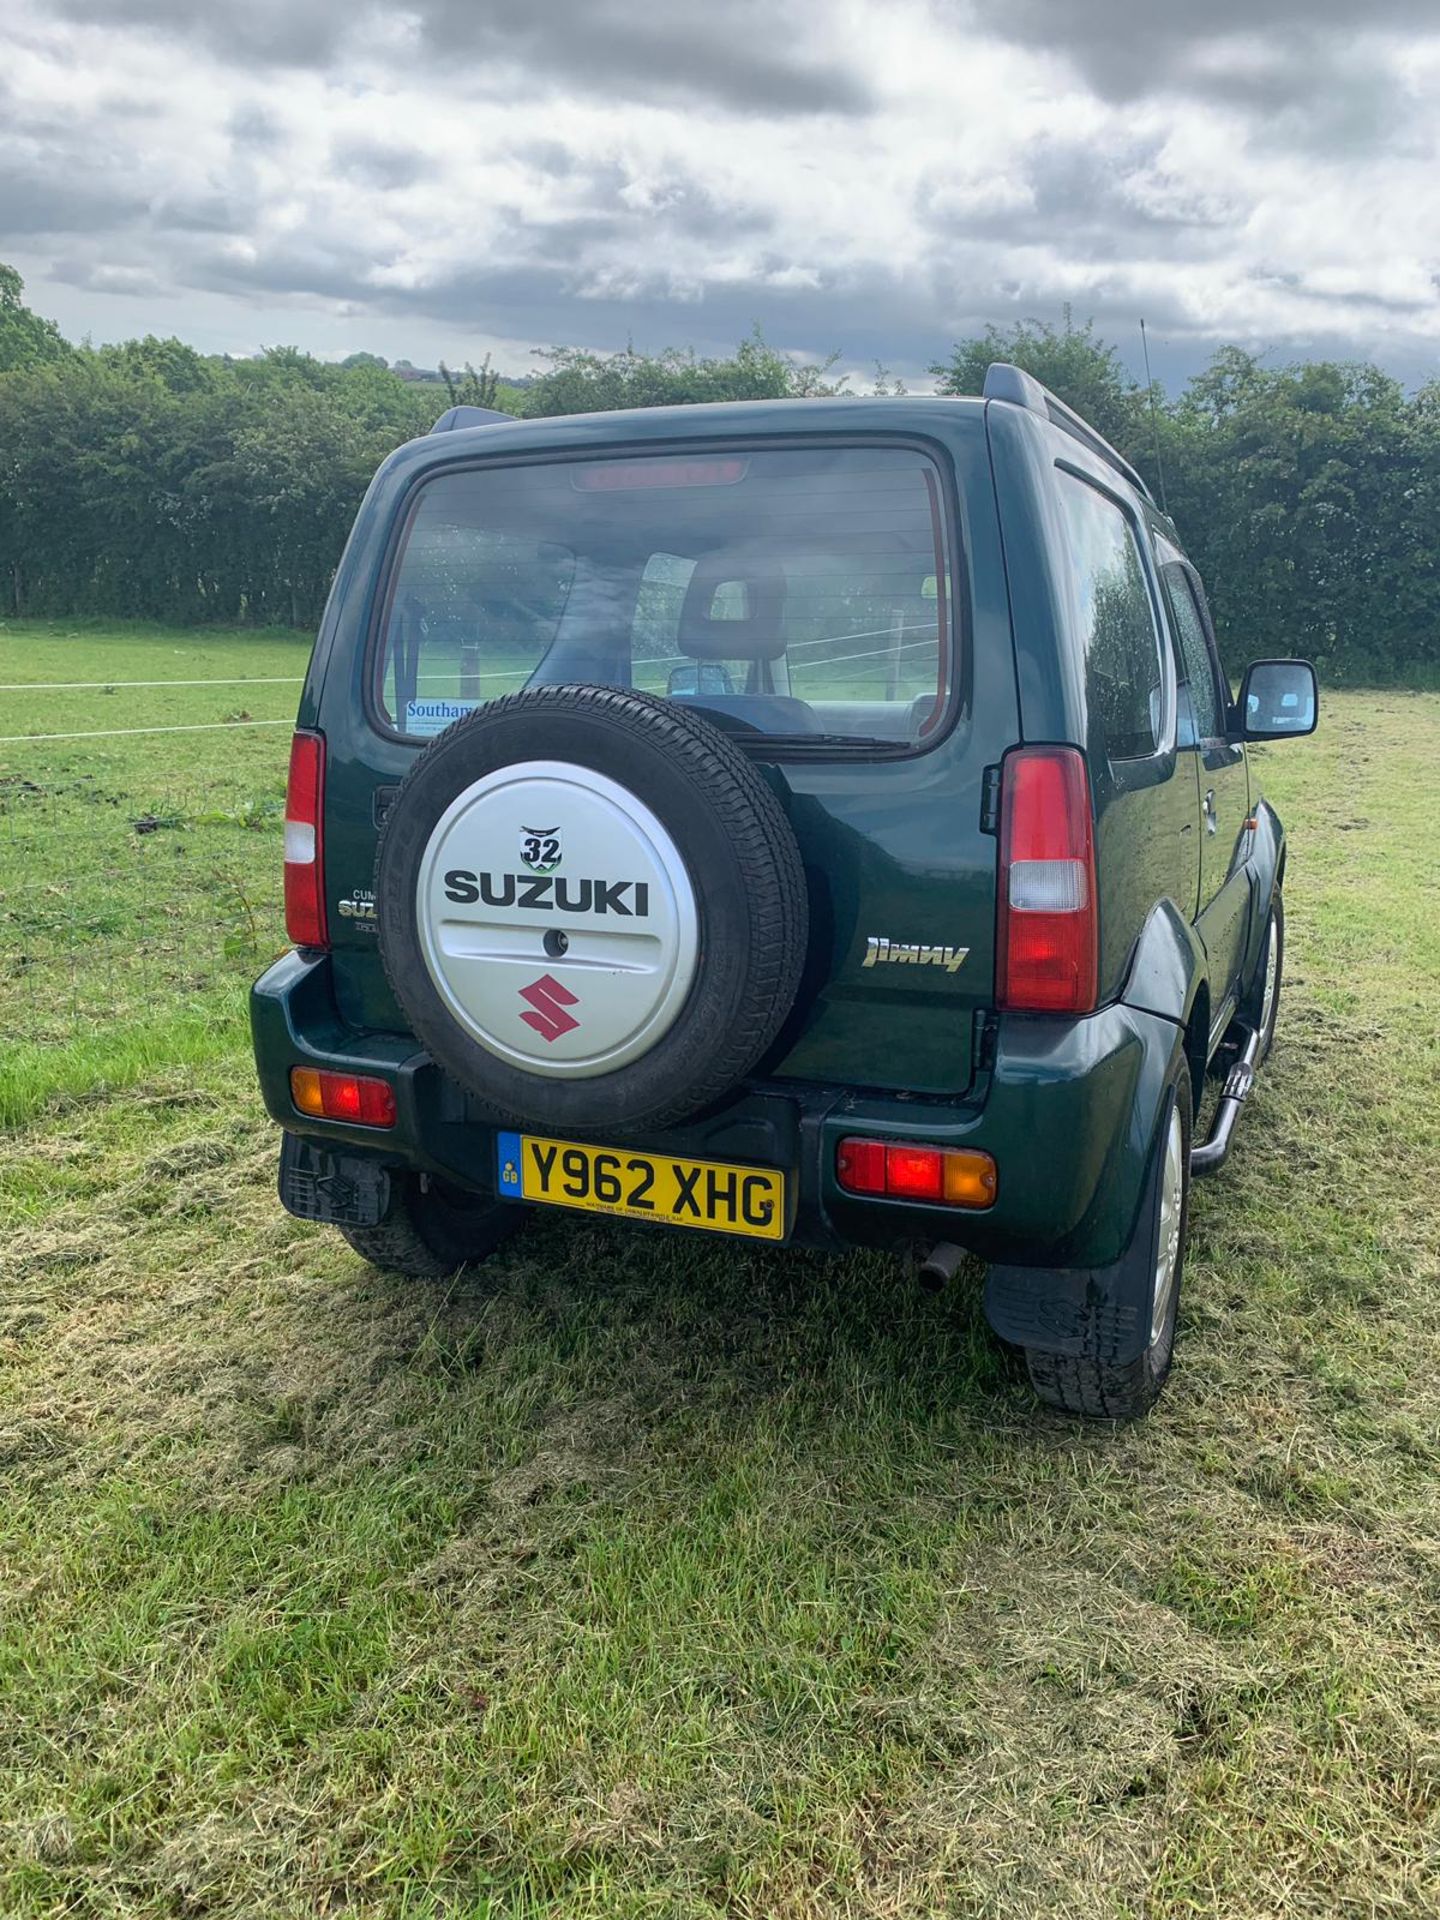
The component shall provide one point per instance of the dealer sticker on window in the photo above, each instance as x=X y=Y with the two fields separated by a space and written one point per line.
x=427 y=717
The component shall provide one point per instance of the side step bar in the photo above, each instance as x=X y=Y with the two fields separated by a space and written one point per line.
x=1238 y=1082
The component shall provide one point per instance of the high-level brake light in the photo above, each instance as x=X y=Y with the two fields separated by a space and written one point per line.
x=1046 y=957
x=626 y=476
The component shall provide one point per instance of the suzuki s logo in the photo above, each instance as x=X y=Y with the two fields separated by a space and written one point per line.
x=540 y=848
x=549 y=1000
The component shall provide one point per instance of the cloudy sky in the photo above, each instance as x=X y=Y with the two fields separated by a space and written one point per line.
x=449 y=177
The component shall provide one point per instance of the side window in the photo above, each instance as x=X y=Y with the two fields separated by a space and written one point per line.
x=867 y=626
x=1115 y=619
x=1207 y=619
x=654 y=638
x=1194 y=651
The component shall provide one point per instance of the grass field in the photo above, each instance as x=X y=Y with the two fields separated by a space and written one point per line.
x=639 y=1577
x=138 y=874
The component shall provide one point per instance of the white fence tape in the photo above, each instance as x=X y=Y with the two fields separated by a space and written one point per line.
x=124 y=733
x=113 y=686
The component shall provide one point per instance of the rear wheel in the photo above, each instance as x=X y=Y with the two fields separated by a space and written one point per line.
x=431 y=1230
x=1086 y=1383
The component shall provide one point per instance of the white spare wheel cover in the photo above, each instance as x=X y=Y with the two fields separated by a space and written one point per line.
x=591 y=910
x=556 y=919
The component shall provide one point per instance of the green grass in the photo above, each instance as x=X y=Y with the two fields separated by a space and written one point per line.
x=647 y=1577
x=139 y=874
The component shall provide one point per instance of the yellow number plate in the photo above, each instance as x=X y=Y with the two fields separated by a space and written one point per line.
x=711 y=1194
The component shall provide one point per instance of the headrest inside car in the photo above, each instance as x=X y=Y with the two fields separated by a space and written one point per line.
x=733 y=610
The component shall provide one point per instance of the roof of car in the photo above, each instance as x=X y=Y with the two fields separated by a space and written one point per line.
x=711 y=417
x=1010 y=385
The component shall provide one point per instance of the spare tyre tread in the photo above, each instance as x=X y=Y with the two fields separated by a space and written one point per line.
x=754 y=822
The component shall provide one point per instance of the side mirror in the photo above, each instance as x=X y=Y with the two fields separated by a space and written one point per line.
x=1279 y=698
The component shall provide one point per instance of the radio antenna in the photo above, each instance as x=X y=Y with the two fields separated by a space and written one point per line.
x=1154 y=419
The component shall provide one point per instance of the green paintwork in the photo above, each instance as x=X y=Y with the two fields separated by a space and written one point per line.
x=867 y=829
x=893 y=847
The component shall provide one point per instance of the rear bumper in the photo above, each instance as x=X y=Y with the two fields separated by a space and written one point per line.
x=1068 y=1109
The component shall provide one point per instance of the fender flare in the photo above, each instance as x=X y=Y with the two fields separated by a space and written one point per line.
x=1267 y=872
x=1168 y=968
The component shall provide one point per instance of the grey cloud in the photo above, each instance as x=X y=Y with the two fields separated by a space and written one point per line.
x=204 y=213
x=596 y=244
x=380 y=163
x=751 y=55
x=313 y=271
x=1099 y=219
x=1400 y=305
x=1102 y=204
x=682 y=207
x=258 y=32
x=693 y=211
x=42 y=198
x=905 y=320
x=124 y=106
x=549 y=156
x=255 y=126
x=98 y=276
x=1298 y=55
x=1079 y=190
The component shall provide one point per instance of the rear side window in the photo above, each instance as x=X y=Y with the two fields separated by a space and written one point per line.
x=1115 y=620
x=794 y=593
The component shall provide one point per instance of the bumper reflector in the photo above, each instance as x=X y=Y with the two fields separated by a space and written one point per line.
x=342 y=1096
x=902 y=1170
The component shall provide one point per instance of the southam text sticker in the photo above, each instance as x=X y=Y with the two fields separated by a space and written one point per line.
x=427 y=717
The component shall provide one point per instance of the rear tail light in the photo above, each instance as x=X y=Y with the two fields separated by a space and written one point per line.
x=305 y=843
x=904 y=1170
x=342 y=1096
x=1046 y=946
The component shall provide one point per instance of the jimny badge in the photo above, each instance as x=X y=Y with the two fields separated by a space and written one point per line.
x=880 y=953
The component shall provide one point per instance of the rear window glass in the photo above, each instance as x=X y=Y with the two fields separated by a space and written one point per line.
x=1115 y=620
x=799 y=593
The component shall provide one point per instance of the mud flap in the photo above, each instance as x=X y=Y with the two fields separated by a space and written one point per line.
x=338 y=1188
x=1099 y=1313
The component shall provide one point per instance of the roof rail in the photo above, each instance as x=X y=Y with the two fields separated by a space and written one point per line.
x=1004 y=382
x=469 y=417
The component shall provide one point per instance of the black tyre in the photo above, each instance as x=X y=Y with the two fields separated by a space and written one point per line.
x=432 y=1230
x=1102 y=1389
x=591 y=909
x=1261 y=1006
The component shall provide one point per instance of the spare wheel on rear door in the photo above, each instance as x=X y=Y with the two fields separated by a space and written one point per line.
x=591 y=909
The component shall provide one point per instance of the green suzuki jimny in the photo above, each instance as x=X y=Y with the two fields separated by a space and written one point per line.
x=820 y=821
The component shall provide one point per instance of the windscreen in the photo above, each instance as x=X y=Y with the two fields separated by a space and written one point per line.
x=802 y=593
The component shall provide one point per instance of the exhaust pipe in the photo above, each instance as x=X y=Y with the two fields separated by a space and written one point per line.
x=939 y=1266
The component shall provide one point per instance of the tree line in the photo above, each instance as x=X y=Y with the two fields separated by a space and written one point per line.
x=150 y=481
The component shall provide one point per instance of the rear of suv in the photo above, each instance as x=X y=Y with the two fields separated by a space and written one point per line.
x=821 y=822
